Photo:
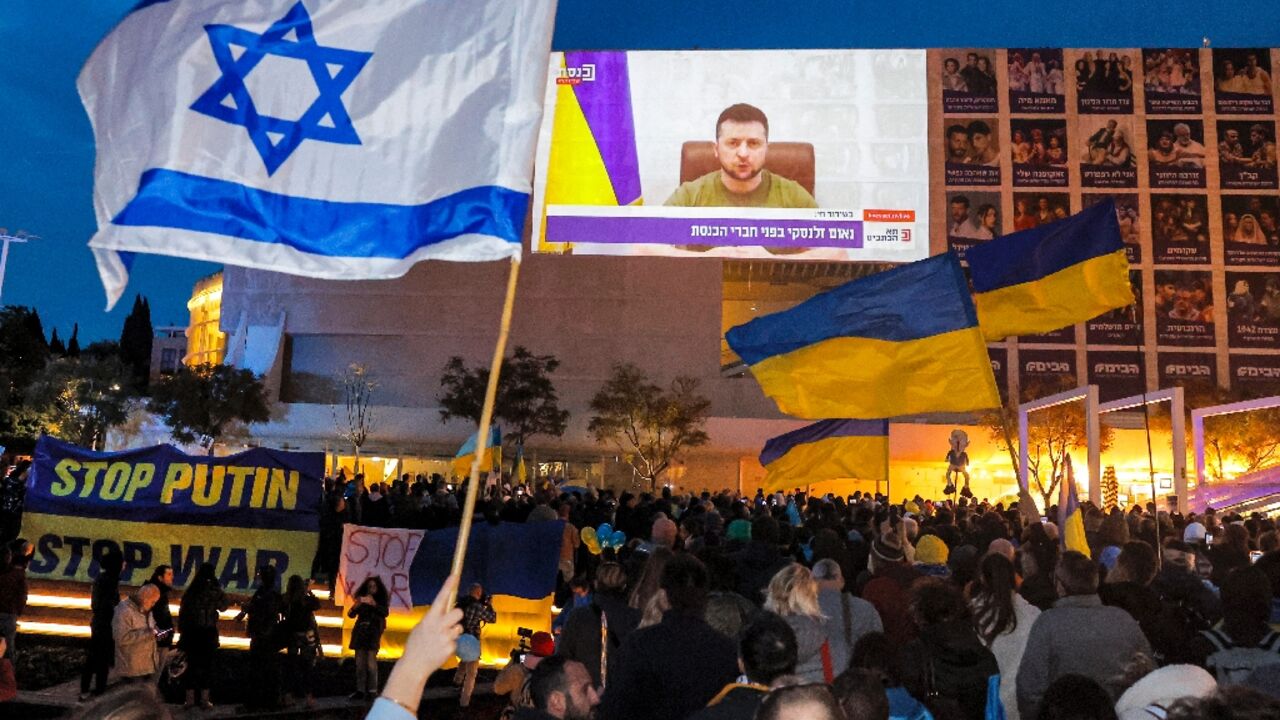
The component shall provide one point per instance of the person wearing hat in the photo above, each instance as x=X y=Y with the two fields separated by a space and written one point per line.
x=887 y=588
x=1151 y=697
x=513 y=680
x=931 y=557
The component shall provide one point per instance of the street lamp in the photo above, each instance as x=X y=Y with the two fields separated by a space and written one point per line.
x=6 y=238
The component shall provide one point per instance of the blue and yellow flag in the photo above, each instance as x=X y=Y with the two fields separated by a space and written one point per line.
x=900 y=342
x=827 y=450
x=1070 y=516
x=1051 y=276
x=520 y=470
x=491 y=461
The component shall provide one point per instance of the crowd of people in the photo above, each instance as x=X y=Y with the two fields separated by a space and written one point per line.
x=721 y=606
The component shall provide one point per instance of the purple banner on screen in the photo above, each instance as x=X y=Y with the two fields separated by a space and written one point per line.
x=705 y=231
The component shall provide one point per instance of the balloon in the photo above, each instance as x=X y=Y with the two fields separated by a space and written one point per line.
x=588 y=536
x=618 y=538
x=594 y=547
x=468 y=648
x=605 y=530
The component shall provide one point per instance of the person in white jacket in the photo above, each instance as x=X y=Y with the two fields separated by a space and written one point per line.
x=1003 y=620
x=134 y=631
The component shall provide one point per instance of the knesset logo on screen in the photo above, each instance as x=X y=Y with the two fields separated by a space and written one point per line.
x=584 y=73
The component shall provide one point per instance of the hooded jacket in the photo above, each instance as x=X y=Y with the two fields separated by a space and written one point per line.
x=948 y=662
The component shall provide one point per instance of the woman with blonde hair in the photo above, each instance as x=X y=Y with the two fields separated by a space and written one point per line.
x=793 y=594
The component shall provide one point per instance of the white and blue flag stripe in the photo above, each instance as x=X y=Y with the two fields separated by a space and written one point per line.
x=338 y=139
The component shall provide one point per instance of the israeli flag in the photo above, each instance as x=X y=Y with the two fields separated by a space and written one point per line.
x=343 y=139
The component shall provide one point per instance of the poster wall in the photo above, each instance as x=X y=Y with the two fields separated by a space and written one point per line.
x=160 y=506
x=1183 y=140
x=797 y=155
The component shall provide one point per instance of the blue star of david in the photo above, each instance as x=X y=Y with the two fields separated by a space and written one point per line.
x=275 y=138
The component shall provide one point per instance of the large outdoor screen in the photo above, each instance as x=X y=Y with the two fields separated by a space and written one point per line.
x=800 y=155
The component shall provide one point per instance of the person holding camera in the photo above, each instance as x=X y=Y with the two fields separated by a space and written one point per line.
x=477 y=610
x=513 y=681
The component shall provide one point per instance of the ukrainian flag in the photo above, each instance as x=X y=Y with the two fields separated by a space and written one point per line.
x=1051 y=276
x=1070 y=516
x=900 y=342
x=827 y=450
x=593 y=158
x=491 y=461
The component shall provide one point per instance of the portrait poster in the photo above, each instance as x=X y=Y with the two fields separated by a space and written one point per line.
x=1251 y=230
x=1176 y=153
x=1184 y=308
x=1242 y=81
x=1117 y=327
x=1043 y=372
x=1032 y=209
x=1000 y=368
x=1104 y=81
x=1187 y=370
x=1127 y=215
x=1117 y=373
x=1037 y=81
x=1107 y=156
x=1253 y=310
x=1180 y=229
x=1256 y=375
x=1039 y=152
x=972 y=217
x=1171 y=81
x=972 y=149
x=791 y=154
x=1247 y=154
x=969 y=81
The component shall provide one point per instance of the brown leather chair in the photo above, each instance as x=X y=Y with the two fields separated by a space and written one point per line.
x=791 y=160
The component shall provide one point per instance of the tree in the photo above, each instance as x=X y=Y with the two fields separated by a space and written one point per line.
x=526 y=404
x=56 y=347
x=78 y=400
x=23 y=354
x=648 y=425
x=1052 y=433
x=202 y=403
x=1248 y=440
x=358 y=385
x=136 y=338
x=73 y=345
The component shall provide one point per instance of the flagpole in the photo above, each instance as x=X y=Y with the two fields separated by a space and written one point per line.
x=482 y=433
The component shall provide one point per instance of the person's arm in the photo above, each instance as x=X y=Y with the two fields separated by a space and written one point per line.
x=489 y=614
x=431 y=642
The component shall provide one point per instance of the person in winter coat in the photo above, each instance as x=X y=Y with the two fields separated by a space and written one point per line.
x=846 y=618
x=263 y=612
x=887 y=589
x=759 y=560
x=670 y=670
x=134 y=632
x=766 y=652
x=946 y=664
x=370 y=607
x=303 y=636
x=793 y=595
x=1244 y=641
x=1078 y=635
x=106 y=595
x=198 y=623
x=1003 y=619
x=581 y=637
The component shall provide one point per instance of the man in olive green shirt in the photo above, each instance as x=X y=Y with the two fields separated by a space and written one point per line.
x=742 y=144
